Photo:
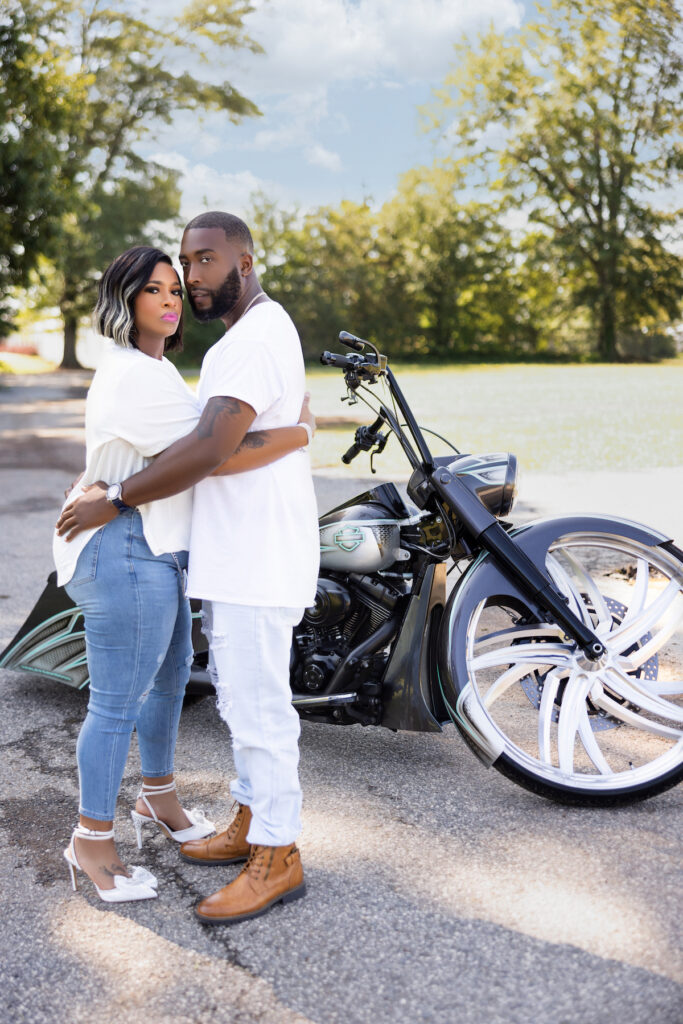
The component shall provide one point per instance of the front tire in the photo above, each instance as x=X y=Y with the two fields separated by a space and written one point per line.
x=531 y=704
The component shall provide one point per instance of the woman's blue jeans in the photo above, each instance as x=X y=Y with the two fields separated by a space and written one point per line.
x=139 y=648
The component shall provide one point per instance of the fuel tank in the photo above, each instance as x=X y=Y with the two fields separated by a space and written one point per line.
x=364 y=535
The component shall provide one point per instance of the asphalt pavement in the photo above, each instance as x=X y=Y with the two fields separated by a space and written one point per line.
x=437 y=890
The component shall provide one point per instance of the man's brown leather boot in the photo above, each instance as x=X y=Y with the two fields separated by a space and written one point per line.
x=273 y=874
x=227 y=847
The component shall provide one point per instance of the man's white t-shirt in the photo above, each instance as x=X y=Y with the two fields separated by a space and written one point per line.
x=255 y=534
x=136 y=407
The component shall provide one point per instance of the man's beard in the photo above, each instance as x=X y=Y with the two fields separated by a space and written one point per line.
x=223 y=299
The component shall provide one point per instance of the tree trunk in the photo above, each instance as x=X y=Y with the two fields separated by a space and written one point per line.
x=69 y=360
x=607 y=338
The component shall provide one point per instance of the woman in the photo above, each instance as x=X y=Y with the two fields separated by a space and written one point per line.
x=128 y=576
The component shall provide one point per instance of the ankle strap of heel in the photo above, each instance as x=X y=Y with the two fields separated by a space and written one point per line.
x=81 y=832
x=148 y=790
x=166 y=787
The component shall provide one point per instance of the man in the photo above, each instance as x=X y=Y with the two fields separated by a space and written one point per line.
x=253 y=557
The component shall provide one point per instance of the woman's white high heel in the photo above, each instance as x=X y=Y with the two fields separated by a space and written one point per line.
x=140 y=886
x=200 y=828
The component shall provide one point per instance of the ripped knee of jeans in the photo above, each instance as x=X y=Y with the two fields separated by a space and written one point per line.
x=223 y=698
x=213 y=675
x=214 y=638
x=218 y=640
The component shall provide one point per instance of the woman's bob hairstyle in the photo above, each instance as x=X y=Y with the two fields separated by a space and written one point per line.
x=119 y=286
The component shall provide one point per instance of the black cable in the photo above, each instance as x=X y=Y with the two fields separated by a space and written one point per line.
x=449 y=525
x=426 y=430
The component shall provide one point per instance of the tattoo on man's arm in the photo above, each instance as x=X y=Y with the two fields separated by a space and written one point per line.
x=254 y=439
x=215 y=409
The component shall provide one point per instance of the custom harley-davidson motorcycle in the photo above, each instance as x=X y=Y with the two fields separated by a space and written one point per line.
x=558 y=652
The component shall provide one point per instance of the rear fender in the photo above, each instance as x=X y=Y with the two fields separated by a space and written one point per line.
x=51 y=642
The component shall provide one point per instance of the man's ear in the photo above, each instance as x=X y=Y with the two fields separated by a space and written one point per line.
x=246 y=264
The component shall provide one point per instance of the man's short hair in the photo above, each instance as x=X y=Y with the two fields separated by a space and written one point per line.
x=235 y=229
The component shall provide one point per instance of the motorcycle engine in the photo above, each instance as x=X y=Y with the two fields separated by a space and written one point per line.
x=347 y=610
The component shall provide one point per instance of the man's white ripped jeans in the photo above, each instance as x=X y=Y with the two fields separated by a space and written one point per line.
x=249 y=665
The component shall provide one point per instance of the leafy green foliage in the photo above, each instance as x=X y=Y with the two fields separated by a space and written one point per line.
x=39 y=100
x=578 y=117
x=538 y=234
x=127 y=72
x=424 y=276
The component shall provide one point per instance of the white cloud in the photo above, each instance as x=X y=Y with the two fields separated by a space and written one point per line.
x=316 y=51
x=313 y=46
x=290 y=121
x=313 y=43
x=204 y=188
x=321 y=157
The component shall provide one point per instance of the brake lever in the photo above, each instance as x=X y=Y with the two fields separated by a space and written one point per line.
x=378 y=449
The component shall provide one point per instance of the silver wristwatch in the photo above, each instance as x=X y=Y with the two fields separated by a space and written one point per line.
x=114 y=496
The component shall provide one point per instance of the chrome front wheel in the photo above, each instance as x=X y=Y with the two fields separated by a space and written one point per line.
x=553 y=721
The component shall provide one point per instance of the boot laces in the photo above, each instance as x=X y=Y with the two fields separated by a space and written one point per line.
x=235 y=824
x=255 y=861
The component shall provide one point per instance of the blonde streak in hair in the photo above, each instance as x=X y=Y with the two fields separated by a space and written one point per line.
x=127 y=316
x=100 y=310
x=119 y=318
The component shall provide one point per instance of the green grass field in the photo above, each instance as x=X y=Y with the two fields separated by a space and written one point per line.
x=555 y=418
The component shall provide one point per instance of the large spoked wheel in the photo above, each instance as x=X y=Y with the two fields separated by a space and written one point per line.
x=523 y=693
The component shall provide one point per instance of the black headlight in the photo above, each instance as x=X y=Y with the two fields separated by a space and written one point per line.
x=493 y=478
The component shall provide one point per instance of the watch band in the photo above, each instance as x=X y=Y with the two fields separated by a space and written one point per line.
x=309 y=432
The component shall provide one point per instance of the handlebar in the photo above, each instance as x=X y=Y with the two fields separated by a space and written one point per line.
x=363 y=368
x=343 y=362
x=366 y=437
x=352 y=341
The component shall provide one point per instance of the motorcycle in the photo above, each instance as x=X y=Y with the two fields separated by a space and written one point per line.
x=557 y=653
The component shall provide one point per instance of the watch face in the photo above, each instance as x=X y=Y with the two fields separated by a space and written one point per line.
x=113 y=492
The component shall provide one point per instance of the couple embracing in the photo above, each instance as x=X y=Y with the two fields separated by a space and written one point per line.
x=223 y=475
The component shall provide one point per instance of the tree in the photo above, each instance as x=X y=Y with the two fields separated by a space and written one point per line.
x=455 y=263
x=38 y=99
x=426 y=275
x=132 y=74
x=109 y=220
x=324 y=267
x=577 y=116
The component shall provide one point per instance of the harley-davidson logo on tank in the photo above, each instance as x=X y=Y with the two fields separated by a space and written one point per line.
x=358 y=545
x=349 y=538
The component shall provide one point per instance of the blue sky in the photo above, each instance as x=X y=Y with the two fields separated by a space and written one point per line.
x=339 y=86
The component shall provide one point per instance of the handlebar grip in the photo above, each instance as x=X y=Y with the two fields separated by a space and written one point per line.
x=366 y=437
x=332 y=359
x=351 y=340
x=350 y=455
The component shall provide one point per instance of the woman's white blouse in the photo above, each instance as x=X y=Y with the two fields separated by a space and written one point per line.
x=137 y=406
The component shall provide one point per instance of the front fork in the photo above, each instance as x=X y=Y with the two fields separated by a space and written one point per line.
x=490 y=535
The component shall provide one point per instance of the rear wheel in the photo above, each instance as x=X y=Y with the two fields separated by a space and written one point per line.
x=567 y=728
